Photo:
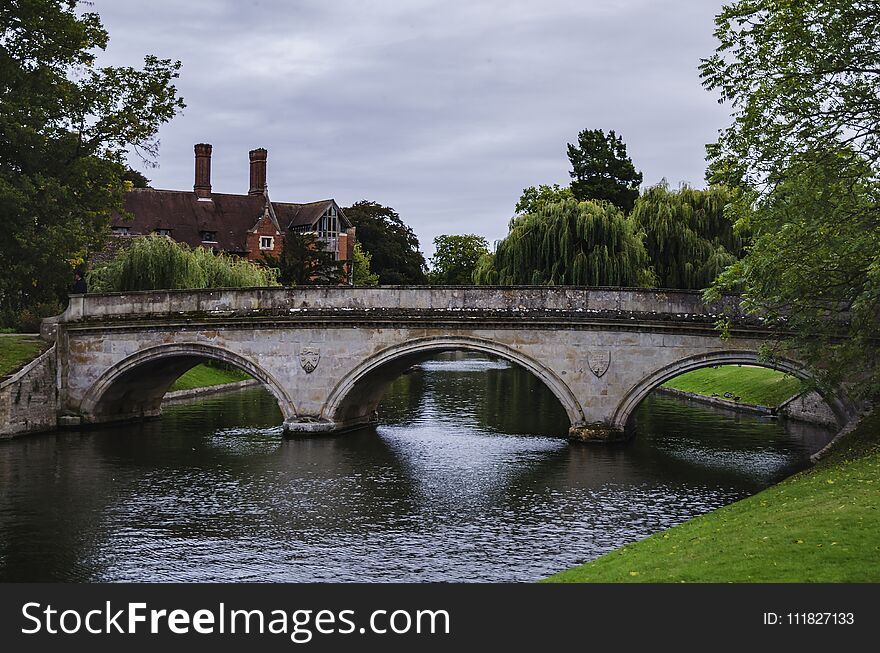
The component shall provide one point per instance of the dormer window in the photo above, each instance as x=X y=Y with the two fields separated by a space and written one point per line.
x=162 y=232
x=267 y=242
x=208 y=236
x=121 y=231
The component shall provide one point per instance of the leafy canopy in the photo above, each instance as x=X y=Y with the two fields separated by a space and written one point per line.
x=601 y=169
x=361 y=275
x=66 y=126
x=569 y=243
x=689 y=237
x=392 y=244
x=455 y=259
x=533 y=199
x=803 y=81
x=156 y=262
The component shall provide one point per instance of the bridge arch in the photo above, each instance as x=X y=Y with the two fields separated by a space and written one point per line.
x=353 y=401
x=134 y=387
x=839 y=403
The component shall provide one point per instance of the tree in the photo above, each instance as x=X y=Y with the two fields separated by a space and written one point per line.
x=802 y=154
x=455 y=259
x=569 y=243
x=601 y=169
x=533 y=199
x=305 y=262
x=391 y=243
x=157 y=262
x=65 y=130
x=361 y=275
x=136 y=178
x=689 y=237
x=802 y=78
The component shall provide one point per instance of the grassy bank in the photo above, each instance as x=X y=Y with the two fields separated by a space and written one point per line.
x=753 y=385
x=15 y=351
x=207 y=374
x=821 y=525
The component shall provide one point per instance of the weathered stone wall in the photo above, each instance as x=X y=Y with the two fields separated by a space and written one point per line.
x=29 y=399
x=520 y=300
x=808 y=407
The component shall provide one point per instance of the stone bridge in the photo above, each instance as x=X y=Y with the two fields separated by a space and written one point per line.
x=327 y=354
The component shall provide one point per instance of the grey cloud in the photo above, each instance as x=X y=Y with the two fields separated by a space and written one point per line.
x=443 y=110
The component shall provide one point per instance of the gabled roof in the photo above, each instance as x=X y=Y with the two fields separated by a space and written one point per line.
x=230 y=216
x=298 y=215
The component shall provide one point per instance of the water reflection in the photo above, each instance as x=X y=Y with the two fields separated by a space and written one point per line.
x=465 y=479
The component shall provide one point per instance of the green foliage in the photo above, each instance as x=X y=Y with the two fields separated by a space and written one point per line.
x=156 y=262
x=801 y=78
x=803 y=81
x=533 y=199
x=455 y=259
x=569 y=243
x=361 y=275
x=601 y=169
x=305 y=262
x=813 y=269
x=135 y=178
x=391 y=243
x=689 y=237
x=65 y=130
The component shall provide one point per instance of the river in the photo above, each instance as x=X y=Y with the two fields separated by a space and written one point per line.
x=466 y=478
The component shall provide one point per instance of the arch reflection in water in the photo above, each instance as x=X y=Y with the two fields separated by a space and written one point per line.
x=464 y=479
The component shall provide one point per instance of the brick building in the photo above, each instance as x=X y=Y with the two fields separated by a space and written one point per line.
x=249 y=226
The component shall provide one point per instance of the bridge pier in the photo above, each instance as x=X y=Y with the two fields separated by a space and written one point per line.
x=596 y=433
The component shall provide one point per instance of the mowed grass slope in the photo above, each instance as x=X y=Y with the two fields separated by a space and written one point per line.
x=821 y=525
x=753 y=385
x=16 y=351
x=204 y=375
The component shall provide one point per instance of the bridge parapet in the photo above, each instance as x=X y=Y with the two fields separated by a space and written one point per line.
x=242 y=302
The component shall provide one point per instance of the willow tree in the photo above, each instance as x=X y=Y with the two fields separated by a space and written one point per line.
x=156 y=263
x=569 y=243
x=688 y=236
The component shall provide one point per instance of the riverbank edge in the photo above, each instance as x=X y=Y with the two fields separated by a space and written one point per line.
x=788 y=409
x=719 y=403
x=28 y=397
x=823 y=460
x=180 y=395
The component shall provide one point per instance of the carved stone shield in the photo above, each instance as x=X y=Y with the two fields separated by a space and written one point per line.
x=599 y=362
x=308 y=358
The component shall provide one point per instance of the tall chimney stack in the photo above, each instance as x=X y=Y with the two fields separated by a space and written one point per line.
x=258 y=171
x=202 y=187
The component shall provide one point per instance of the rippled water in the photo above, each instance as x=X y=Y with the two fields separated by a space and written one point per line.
x=466 y=479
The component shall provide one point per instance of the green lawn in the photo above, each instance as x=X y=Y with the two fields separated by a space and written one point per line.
x=753 y=385
x=15 y=351
x=207 y=374
x=821 y=525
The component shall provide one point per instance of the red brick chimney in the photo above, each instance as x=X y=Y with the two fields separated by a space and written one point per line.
x=258 y=171
x=202 y=187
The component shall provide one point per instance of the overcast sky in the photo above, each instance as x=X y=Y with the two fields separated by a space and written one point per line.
x=444 y=110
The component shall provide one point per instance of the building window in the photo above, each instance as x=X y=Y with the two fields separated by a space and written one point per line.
x=209 y=236
x=328 y=230
x=267 y=242
x=162 y=232
x=121 y=231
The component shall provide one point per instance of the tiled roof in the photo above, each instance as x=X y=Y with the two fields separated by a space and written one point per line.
x=230 y=216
